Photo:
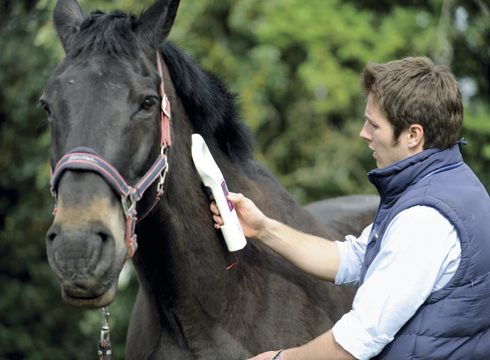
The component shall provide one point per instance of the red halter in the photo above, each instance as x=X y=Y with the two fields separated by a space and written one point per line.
x=85 y=159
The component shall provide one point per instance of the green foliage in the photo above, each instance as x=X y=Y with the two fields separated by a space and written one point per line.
x=476 y=130
x=296 y=65
x=468 y=43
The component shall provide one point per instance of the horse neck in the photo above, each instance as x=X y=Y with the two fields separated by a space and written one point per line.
x=179 y=246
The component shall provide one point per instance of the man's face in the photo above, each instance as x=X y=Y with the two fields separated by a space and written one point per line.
x=378 y=131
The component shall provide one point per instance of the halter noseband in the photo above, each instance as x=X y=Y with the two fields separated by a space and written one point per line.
x=86 y=159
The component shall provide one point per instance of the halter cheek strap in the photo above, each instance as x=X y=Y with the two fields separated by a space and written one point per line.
x=165 y=113
x=86 y=159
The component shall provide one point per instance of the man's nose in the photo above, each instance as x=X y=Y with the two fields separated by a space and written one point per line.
x=364 y=134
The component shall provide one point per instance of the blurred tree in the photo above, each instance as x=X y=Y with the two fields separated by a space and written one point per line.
x=458 y=37
x=468 y=43
x=296 y=66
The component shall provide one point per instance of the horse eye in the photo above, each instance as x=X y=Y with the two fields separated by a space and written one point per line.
x=148 y=104
x=45 y=107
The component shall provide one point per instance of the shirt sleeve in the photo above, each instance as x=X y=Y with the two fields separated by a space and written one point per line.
x=420 y=249
x=351 y=256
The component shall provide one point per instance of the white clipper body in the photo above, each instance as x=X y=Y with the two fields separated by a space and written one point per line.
x=213 y=178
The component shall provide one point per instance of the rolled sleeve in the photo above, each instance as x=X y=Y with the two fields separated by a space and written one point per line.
x=349 y=333
x=351 y=256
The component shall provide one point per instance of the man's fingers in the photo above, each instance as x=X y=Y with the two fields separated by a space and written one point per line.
x=214 y=208
x=218 y=220
x=236 y=199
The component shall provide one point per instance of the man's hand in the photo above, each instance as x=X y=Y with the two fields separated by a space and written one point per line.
x=251 y=218
x=309 y=253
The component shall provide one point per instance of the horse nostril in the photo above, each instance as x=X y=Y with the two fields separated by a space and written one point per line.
x=51 y=235
x=103 y=236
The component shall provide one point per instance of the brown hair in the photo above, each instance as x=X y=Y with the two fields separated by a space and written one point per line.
x=415 y=91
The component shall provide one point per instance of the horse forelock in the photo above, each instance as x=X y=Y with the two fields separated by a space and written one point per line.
x=213 y=110
x=110 y=34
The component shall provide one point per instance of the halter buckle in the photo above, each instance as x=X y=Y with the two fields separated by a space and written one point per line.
x=124 y=201
x=164 y=105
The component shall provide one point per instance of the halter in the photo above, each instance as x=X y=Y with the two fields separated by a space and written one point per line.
x=86 y=159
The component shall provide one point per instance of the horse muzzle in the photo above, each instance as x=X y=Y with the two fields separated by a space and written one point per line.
x=82 y=260
x=85 y=245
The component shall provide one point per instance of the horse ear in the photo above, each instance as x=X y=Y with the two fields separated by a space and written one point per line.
x=67 y=17
x=155 y=23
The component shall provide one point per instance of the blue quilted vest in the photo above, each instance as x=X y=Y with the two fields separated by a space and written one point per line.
x=454 y=322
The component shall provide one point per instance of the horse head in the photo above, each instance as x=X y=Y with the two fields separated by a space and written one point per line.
x=103 y=100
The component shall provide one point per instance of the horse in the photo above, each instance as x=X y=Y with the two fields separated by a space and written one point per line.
x=122 y=106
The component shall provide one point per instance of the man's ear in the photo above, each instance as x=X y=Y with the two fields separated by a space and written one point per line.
x=416 y=137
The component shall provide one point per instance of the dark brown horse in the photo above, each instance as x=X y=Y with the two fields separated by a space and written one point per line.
x=105 y=97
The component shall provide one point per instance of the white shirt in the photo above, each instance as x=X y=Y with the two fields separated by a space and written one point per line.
x=419 y=254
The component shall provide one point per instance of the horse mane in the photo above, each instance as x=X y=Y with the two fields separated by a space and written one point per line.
x=211 y=107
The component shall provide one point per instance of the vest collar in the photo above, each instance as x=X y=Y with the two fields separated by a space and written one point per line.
x=393 y=180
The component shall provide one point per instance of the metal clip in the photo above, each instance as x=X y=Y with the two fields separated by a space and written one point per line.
x=164 y=105
x=161 y=182
x=104 y=344
x=132 y=203
x=104 y=333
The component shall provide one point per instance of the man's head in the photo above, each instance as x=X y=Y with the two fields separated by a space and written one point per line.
x=415 y=91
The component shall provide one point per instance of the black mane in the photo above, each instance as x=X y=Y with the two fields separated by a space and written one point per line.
x=211 y=107
x=111 y=34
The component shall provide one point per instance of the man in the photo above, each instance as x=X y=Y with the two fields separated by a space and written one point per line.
x=422 y=267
